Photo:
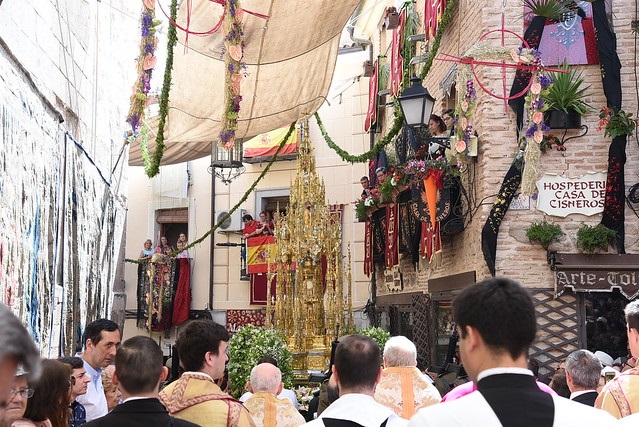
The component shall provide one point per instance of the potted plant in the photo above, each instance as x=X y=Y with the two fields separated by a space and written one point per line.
x=591 y=240
x=566 y=100
x=616 y=123
x=543 y=233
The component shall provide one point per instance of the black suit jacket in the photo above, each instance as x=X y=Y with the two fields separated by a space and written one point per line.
x=587 y=398
x=139 y=413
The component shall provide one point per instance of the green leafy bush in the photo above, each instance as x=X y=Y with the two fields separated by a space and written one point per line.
x=379 y=335
x=247 y=346
x=543 y=233
x=591 y=240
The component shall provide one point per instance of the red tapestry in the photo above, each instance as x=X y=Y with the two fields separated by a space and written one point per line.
x=392 y=227
x=258 y=289
x=371 y=114
x=397 y=61
x=235 y=319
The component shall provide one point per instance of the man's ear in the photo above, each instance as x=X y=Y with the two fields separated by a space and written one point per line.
x=384 y=362
x=334 y=372
x=164 y=374
x=249 y=386
x=114 y=378
x=472 y=337
x=379 y=375
x=279 y=389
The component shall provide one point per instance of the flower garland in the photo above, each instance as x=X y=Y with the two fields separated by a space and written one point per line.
x=466 y=107
x=152 y=164
x=145 y=64
x=235 y=70
x=535 y=105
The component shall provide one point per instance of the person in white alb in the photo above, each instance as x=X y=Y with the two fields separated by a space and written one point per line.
x=357 y=369
x=496 y=323
x=101 y=340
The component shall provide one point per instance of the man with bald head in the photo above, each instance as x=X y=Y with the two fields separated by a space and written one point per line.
x=264 y=406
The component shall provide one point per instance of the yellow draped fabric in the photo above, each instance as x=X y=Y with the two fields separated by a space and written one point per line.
x=405 y=390
x=196 y=398
x=269 y=411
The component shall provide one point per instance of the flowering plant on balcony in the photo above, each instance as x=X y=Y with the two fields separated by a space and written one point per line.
x=394 y=183
x=616 y=122
x=366 y=205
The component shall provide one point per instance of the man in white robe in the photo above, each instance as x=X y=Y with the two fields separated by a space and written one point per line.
x=496 y=323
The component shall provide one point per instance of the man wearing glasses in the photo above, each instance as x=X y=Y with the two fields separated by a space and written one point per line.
x=19 y=393
x=79 y=383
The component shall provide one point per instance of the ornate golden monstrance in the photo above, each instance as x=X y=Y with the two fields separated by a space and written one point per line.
x=311 y=284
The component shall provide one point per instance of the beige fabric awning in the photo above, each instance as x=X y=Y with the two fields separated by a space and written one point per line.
x=290 y=58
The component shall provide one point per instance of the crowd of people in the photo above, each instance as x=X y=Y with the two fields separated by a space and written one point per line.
x=110 y=384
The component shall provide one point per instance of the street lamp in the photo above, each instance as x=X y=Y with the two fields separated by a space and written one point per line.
x=227 y=164
x=416 y=104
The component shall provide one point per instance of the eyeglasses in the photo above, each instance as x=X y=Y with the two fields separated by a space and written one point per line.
x=24 y=392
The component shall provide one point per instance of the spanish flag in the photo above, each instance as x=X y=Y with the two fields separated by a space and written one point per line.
x=259 y=250
x=265 y=144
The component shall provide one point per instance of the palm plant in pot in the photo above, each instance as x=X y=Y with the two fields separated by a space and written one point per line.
x=566 y=100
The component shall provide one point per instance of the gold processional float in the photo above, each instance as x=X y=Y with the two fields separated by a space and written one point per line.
x=309 y=305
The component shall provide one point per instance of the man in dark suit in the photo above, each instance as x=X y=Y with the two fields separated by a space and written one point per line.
x=583 y=370
x=138 y=372
x=496 y=323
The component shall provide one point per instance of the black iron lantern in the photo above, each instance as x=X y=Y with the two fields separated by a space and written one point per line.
x=416 y=104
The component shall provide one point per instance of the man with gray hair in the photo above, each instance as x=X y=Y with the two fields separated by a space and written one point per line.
x=583 y=370
x=16 y=346
x=403 y=388
x=264 y=406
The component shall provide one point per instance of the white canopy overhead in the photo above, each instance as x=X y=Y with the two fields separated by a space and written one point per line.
x=290 y=58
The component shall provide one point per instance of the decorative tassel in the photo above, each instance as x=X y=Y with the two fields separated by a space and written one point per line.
x=531 y=166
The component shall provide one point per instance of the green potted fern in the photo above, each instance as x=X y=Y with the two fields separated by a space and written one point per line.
x=544 y=233
x=591 y=240
x=566 y=100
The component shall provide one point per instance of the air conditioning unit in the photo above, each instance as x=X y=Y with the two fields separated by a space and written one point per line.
x=232 y=223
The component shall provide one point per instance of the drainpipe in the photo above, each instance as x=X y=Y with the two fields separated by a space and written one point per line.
x=212 y=250
x=364 y=43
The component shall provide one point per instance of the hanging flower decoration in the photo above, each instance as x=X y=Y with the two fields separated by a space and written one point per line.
x=235 y=71
x=145 y=63
x=466 y=108
x=535 y=105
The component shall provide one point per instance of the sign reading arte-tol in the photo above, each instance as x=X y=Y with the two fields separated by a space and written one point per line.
x=627 y=281
x=562 y=196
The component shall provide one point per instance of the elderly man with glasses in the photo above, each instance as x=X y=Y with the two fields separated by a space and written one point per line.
x=19 y=393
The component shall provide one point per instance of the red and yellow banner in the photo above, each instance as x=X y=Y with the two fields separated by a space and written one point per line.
x=259 y=250
x=397 y=61
x=392 y=228
x=371 y=114
x=265 y=144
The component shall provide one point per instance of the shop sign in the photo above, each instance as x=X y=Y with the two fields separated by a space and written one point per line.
x=562 y=196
